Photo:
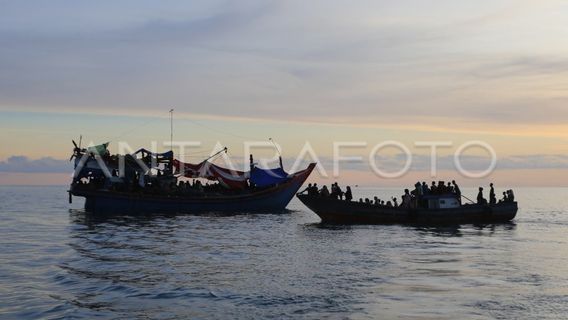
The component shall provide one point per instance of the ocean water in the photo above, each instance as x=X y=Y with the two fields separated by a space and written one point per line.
x=56 y=261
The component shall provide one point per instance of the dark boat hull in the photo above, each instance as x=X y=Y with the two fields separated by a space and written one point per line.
x=267 y=200
x=348 y=212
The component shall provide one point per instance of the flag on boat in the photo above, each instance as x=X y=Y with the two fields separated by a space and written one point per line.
x=99 y=149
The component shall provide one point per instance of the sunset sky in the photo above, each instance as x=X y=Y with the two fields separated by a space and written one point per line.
x=295 y=71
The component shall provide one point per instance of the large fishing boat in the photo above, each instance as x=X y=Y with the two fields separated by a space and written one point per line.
x=436 y=209
x=146 y=181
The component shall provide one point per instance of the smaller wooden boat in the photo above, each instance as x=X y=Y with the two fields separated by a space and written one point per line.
x=440 y=210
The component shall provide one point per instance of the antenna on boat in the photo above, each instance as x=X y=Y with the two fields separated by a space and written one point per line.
x=171 y=129
x=277 y=150
x=80 y=140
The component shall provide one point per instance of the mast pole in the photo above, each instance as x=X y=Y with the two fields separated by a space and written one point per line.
x=171 y=129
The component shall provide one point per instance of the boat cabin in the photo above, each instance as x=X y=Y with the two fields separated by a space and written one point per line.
x=446 y=201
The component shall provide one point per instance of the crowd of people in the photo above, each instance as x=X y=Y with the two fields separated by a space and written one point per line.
x=508 y=196
x=416 y=198
x=156 y=184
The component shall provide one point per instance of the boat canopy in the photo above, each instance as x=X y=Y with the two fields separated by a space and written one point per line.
x=266 y=177
x=233 y=179
x=144 y=152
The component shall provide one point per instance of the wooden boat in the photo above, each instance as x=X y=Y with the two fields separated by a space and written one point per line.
x=271 y=199
x=137 y=190
x=438 y=211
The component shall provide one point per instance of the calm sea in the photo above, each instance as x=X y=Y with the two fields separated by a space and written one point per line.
x=56 y=261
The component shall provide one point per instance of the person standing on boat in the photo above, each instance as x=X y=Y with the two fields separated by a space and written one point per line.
x=492 y=198
x=348 y=194
x=457 y=190
x=480 y=199
x=425 y=189
x=406 y=199
x=339 y=192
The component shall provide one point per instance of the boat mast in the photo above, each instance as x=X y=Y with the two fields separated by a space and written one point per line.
x=171 y=129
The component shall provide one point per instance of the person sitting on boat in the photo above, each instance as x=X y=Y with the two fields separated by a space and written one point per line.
x=449 y=188
x=492 y=198
x=441 y=187
x=313 y=191
x=510 y=195
x=376 y=201
x=348 y=194
x=480 y=198
x=333 y=191
x=433 y=189
x=324 y=192
x=389 y=204
x=367 y=201
x=394 y=200
x=308 y=188
x=336 y=192
x=504 y=197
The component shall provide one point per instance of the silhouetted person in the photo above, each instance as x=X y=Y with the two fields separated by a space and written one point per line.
x=425 y=190
x=492 y=198
x=348 y=194
x=308 y=188
x=418 y=190
x=314 y=190
x=433 y=189
x=449 y=188
x=505 y=198
x=334 y=193
x=457 y=190
x=510 y=195
x=339 y=191
x=324 y=191
x=441 y=187
x=406 y=199
x=480 y=199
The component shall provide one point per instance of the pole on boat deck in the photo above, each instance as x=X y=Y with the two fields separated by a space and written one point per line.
x=172 y=128
x=468 y=199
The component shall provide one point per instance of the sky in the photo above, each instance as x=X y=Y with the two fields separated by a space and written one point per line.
x=295 y=71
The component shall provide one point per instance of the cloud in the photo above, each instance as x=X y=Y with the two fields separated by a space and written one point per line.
x=42 y=165
x=394 y=163
x=387 y=163
x=374 y=62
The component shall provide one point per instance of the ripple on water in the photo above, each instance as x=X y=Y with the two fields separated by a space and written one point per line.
x=58 y=263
